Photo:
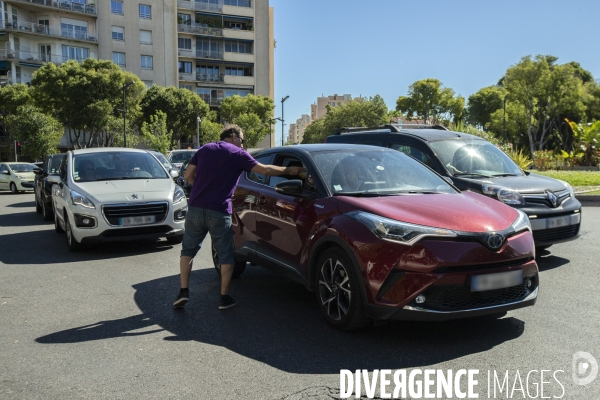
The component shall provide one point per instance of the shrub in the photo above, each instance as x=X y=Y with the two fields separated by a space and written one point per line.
x=519 y=157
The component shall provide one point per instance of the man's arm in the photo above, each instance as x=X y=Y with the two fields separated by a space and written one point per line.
x=275 y=170
x=190 y=174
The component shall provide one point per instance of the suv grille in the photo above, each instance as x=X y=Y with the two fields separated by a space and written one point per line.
x=113 y=213
x=482 y=267
x=456 y=298
x=542 y=198
x=549 y=235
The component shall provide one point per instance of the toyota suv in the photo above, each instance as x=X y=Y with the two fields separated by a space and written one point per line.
x=109 y=194
x=476 y=165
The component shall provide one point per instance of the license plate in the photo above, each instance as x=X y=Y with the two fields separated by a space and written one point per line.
x=557 y=222
x=146 y=219
x=480 y=283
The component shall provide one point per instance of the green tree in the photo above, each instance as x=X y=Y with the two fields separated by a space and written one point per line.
x=155 y=133
x=39 y=133
x=251 y=113
x=181 y=107
x=11 y=98
x=369 y=112
x=483 y=103
x=427 y=100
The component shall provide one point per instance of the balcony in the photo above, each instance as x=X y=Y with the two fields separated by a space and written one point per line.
x=244 y=34
x=209 y=78
x=192 y=5
x=239 y=80
x=45 y=30
x=247 y=58
x=186 y=77
x=32 y=57
x=63 y=5
x=209 y=54
x=200 y=30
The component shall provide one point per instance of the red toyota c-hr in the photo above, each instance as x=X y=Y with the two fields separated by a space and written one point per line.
x=378 y=235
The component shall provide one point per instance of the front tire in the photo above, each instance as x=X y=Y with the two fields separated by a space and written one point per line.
x=338 y=291
x=73 y=244
x=57 y=227
x=47 y=214
x=13 y=188
x=238 y=269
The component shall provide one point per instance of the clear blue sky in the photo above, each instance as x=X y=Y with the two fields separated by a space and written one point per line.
x=381 y=47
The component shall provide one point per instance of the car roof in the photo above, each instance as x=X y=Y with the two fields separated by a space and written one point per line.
x=310 y=148
x=106 y=150
x=432 y=135
x=428 y=133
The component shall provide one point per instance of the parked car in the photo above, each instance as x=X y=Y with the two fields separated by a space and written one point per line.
x=109 y=194
x=178 y=157
x=377 y=235
x=164 y=161
x=475 y=164
x=16 y=176
x=180 y=180
x=42 y=188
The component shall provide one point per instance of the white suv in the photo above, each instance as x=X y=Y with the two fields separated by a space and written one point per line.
x=109 y=194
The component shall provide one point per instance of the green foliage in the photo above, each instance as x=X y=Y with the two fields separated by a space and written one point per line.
x=427 y=100
x=586 y=143
x=39 y=133
x=181 y=107
x=251 y=113
x=369 y=112
x=155 y=133
x=574 y=178
x=519 y=157
x=545 y=160
x=483 y=103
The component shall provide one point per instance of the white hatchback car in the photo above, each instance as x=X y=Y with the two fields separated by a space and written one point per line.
x=112 y=194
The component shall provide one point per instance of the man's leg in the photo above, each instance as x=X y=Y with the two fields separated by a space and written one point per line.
x=226 y=274
x=185 y=269
x=195 y=232
x=222 y=239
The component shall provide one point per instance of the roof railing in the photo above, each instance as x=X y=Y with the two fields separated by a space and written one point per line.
x=388 y=128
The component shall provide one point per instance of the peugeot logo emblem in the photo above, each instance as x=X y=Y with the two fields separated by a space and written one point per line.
x=495 y=241
x=134 y=196
x=552 y=197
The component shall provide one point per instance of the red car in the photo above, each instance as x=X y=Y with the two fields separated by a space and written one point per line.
x=378 y=235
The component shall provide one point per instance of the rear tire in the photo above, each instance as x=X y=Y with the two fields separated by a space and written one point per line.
x=238 y=269
x=38 y=207
x=337 y=288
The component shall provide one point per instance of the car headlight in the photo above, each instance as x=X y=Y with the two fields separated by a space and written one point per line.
x=506 y=196
x=569 y=187
x=20 y=176
x=397 y=231
x=80 y=200
x=178 y=195
x=522 y=222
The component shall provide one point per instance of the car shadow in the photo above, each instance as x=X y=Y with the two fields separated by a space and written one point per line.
x=30 y=218
x=25 y=204
x=277 y=322
x=547 y=261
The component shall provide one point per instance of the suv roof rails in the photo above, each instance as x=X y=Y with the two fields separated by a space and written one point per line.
x=388 y=128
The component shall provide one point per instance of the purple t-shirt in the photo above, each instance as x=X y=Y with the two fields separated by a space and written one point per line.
x=218 y=169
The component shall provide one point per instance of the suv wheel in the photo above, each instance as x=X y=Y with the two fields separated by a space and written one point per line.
x=338 y=292
x=239 y=268
x=74 y=245
x=57 y=227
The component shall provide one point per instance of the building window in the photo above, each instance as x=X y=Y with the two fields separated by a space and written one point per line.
x=188 y=87
x=185 y=67
x=73 y=31
x=238 y=3
x=238 y=46
x=145 y=11
x=184 y=19
x=116 y=7
x=238 y=92
x=145 y=37
x=75 y=53
x=184 y=43
x=238 y=71
x=148 y=83
x=146 y=62
x=119 y=58
x=118 y=33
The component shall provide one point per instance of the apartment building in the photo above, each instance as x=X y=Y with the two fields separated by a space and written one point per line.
x=318 y=109
x=296 y=131
x=216 y=48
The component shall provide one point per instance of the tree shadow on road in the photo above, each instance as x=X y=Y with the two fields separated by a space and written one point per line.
x=278 y=323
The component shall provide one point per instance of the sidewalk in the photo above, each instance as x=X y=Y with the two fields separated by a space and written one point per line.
x=588 y=195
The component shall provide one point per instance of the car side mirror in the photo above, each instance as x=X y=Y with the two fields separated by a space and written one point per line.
x=5 y=172
x=292 y=187
x=174 y=173
x=54 y=179
x=38 y=171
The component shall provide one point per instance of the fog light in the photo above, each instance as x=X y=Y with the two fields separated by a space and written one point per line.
x=528 y=283
x=86 y=221
x=420 y=299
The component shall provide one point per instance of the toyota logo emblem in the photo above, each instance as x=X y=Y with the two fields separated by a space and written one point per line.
x=495 y=241
x=552 y=197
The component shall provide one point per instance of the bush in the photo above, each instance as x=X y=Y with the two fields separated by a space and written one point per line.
x=545 y=160
x=519 y=157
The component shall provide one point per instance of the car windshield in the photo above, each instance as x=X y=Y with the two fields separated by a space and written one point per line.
x=116 y=165
x=377 y=172
x=163 y=160
x=181 y=156
x=477 y=158
x=22 y=167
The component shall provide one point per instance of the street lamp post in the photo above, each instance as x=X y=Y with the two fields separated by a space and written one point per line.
x=125 y=114
x=271 y=122
x=198 y=120
x=282 y=126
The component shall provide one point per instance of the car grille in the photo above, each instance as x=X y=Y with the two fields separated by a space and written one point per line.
x=457 y=298
x=550 y=235
x=136 y=231
x=482 y=267
x=541 y=198
x=113 y=213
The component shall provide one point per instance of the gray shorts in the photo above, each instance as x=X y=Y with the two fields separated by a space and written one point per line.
x=199 y=222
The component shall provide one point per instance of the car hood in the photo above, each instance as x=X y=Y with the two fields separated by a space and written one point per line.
x=531 y=183
x=466 y=211
x=128 y=190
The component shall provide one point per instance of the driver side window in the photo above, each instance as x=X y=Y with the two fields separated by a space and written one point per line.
x=287 y=162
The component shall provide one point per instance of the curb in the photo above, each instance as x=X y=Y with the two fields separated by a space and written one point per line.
x=593 y=200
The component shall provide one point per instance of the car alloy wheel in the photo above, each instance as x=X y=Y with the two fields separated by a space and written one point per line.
x=13 y=188
x=337 y=290
x=240 y=266
x=74 y=245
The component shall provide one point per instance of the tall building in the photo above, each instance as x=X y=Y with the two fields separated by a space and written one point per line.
x=216 y=48
x=296 y=132
x=318 y=109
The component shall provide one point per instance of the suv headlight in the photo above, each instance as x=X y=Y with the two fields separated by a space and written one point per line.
x=178 y=195
x=522 y=222
x=80 y=200
x=569 y=187
x=402 y=232
x=506 y=196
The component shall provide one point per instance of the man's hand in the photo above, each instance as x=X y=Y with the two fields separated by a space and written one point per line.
x=295 y=170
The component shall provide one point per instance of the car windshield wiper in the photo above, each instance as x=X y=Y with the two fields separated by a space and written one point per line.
x=358 y=194
x=137 y=177
x=473 y=174
x=500 y=175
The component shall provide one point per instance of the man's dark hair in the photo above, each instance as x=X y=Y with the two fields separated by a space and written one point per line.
x=230 y=131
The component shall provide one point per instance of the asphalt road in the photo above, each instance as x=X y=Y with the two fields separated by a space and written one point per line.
x=99 y=324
